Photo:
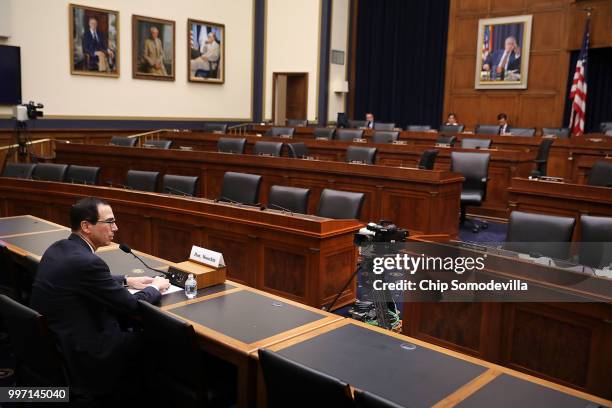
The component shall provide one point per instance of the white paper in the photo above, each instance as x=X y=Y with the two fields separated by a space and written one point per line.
x=171 y=289
x=206 y=256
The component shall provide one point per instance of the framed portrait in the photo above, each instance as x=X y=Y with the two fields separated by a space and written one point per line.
x=153 y=46
x=502 y=53
x=94 y=41
x=205 y=52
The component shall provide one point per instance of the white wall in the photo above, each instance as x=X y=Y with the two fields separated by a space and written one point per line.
x=292 y=45
x=339 y=41
x=40 y=28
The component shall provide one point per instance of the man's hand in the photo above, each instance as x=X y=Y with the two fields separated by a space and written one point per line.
x=162 y=284
x=138 y=282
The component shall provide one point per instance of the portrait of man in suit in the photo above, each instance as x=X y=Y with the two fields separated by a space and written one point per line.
x=94 y=41
x=206 y=52
x=153 y=48
x=503 y=63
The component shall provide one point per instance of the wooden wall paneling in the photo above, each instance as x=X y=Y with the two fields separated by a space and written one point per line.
x=466 y=106
x=470 y=6
x=461 y=65
x=548 y=31
x=466 y=35
x=134 y=228
x=601 y=24
x=539 y=108
x=285 y=271
x=172 y=240
x=239 y=252
x=331 y=282
x=494 y=103
x=507 y=7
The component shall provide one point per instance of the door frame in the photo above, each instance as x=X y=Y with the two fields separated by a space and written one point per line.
x=274 y=76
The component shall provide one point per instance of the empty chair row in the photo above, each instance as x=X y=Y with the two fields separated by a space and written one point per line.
x=132 y=141
x=171 y=184
x=53 y=172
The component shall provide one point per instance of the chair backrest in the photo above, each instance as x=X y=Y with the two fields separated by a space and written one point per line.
x=231 y=145
x=159 y=144
x=340 y=204
x=361 y=154
x=268 y=148
x=298 y=150
x=297 y=122
x=605 y=126
x=596 y=241
x=418 y=128
x=453 y=129
x=347 y=135
x=124 y=141
x=293 y=199
x=486 y=129
x=559 y=132
x=50 y=172
x=533 y=233
x=181 y=185
x=529 y=132
x=473 y=143
x=38 y=361
x=327 y=133
x=475 y=169
x=19 y=170
x=385 y=136
x=287 y=380
x=428 y=159
x=365 y=399
x=601 y=174
x=280 y=131
x=240 y=187
x=541 y=159
x=83 y=174
x=142 y=180
x=447 y=140
x=356 y=124
x=180 y=376
x=384 y=126
x=215 y=127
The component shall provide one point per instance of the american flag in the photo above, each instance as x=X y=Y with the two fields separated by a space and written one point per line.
x=578 y=93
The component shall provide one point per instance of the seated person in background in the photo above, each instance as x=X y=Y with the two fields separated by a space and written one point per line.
x=502 y=120
x=206 y=64
x=451 y=120
x=95 y=46
x=369 y=117
x=82 y=302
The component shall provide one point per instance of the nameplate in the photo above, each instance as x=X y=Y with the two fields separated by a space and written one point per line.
x=359 y=140
x=185 y=147
x=286 y=136
x=442 y=145
x=322 y=138
x=399 y=142
x=206 y=256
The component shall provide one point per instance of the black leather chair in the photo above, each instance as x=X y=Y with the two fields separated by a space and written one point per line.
x=451 y=129
x=605 y=126
x=418 y=128
x=356 y=124
x=215 y=127
x=539 y=234
x=83 y=174
x=340 y=204
x=19 y=170
x=428 y=159
x=184 y=375
x=38 y=363
x=231 y=145
x=529 y=132
x=158 y=144
x=468 y=143
x=296 y=122
x=601 y=174
x=487 y=130
x=384 y=126
x=142 y=180
x=348 y=135
x=385 y=136
x=541 y=159
x=446 y=140
x=8 y=282
x=124 y=141
x=475 y=168
x=291 y=384
x=50 y=172
x=596 y=241
x=324 y=133
x=298 y=150
x=181 y=185
x=285 y=198
x=268 y=148
x=365 y=399
x=563 y=133
x=361 y=154
x=280 y=131
x=240 y=187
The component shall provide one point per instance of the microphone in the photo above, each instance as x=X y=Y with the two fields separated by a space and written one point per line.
x=128 y=250
x=228 y=200
x=278 y=207
x=177 y=191
x=110 y=183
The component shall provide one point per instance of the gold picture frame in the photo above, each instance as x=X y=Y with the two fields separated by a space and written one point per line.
x=205 y=52
x=153 y=48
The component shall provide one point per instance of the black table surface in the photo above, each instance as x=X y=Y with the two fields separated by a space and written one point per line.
x=121 y=263
x=506 y=391
x=37 y=243
x=247 y=316
x=24 y=225
x=401 y=372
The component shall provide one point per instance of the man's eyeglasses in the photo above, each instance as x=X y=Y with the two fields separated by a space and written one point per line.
x=110 y=221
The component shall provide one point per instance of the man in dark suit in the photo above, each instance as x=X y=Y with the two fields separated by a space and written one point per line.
x=369 y=120
x=501 y=61
x=83 y=302
x=95 y=47
x=502 y=121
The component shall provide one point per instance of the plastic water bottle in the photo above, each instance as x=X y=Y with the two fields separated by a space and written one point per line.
x=191 y=287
